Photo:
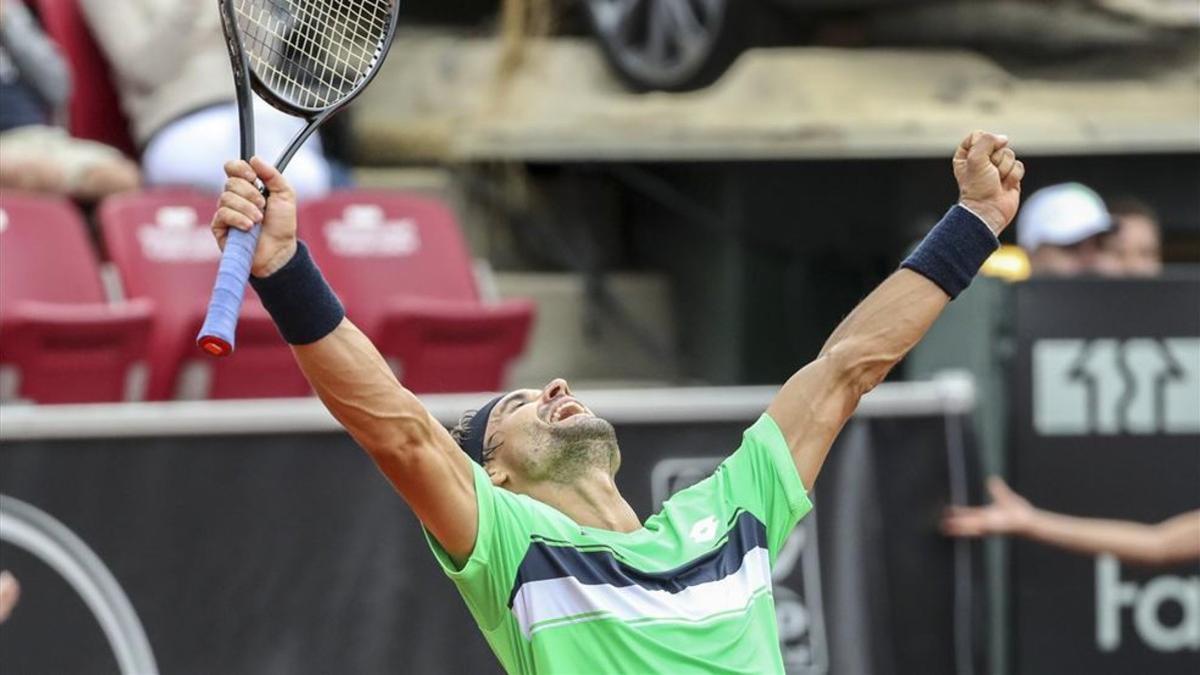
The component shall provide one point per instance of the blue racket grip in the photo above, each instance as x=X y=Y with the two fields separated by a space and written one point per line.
x=217 y=335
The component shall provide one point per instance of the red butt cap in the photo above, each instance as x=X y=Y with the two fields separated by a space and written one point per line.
x=215 y=346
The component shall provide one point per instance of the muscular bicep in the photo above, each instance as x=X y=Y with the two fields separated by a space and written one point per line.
x=811 y=409
x=410 y=447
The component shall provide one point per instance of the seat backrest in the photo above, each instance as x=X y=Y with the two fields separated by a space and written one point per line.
x=377 y=246
x=162 y=247
x=66 y=343
x=45 y=254
x=94 y=109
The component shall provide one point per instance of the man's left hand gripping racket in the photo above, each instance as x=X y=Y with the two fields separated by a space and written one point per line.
x=308 y=58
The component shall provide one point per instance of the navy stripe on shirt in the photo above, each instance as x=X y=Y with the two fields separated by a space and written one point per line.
x=549 y=561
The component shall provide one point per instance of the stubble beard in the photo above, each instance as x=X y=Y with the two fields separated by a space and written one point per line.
x=581 y=448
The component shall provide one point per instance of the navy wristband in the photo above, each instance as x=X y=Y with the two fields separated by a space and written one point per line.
x=953 y=251
x=300 y=301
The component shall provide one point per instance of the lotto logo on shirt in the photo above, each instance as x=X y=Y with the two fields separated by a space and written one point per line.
x=796 y=575
x=704 y=530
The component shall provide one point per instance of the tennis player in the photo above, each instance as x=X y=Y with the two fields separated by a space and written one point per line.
x=520 y=503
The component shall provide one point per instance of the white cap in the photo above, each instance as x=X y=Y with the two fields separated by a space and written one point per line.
x=1061 y=215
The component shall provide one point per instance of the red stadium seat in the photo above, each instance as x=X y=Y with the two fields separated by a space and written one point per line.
x=163 y=250
x=94 y=109
x=57 y=328
x=400 y=265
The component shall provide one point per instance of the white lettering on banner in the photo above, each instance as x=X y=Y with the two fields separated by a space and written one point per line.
x=1109 y=386
x=176 y=236
x=1112 y=595
x=363 y=232
x=3 y=220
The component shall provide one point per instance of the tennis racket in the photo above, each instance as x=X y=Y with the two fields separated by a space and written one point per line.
x=308 y=58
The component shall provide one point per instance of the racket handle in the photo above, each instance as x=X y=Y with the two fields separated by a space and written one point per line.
x=217 y=335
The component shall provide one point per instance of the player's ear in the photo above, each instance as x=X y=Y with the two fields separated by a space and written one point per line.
x=498 y=476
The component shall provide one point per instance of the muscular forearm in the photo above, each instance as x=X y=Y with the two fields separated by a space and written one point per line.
x=815 y=403
x=357 y=386
x=881 y=330
x=1174 y=540
x=408 y=445
x=884 y=327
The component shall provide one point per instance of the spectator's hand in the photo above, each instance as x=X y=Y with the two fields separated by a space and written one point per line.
x=242 y=205
x=34 y=175
x=1009 y=513
x=989 y=178
x=10 y=590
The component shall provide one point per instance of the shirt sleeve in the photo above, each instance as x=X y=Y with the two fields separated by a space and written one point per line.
x=486 y=579
x=761 y=477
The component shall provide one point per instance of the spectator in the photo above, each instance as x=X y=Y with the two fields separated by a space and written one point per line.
x=176 y=86
x=1137 y=240
x=1174 y=540
x=34 y=154
x=1063 y=228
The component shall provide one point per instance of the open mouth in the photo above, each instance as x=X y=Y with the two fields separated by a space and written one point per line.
x=567 y=409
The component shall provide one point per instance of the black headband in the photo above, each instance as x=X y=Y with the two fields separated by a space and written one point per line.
x=472 y=442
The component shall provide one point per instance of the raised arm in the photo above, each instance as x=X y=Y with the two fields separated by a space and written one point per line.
x=813 y=406
x=1174 y=540
x=410 y=447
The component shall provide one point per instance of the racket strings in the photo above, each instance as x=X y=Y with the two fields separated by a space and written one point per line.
x=312 y=53
x=312 y=59
x=314 y=38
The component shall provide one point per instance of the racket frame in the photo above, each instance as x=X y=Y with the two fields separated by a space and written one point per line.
x=246 y=84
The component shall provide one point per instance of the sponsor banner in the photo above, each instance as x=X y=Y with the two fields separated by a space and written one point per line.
x=1106 y=424
x=290 y=553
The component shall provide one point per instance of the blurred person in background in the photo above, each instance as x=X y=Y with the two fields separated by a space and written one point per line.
x=10 y=593
x=1174 y=540
x=520 y=503
x=175 y=84
x=35 y=154
x=1136 y=241
x=1063 y=229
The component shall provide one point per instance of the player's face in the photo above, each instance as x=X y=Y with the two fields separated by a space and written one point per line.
x=548 y=435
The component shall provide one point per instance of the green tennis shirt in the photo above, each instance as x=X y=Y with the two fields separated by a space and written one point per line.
x=690 y=592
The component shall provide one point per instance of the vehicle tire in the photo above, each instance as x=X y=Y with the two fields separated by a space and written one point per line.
x=669 y=45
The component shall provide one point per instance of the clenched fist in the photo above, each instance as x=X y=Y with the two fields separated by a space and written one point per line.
x=242 y=206
x=989 y=178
